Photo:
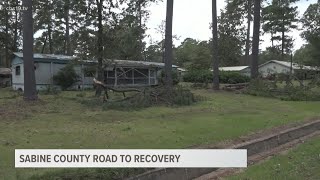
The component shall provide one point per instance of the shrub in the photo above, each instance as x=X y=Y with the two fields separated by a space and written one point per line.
x=66 y=77
x=206 y=76
x=233 y=78
x=175 y=77
x=198 y=76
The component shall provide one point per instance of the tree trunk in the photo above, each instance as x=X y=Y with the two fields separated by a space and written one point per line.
x=44 y=44
x=283 y=41
x=7 y=39
x=255 y=41
x=50 y=37
x=67 y=38
x=30 y=92
x=168 y=45
x=100 y=47
x=248 y=33
x=139 y=7
x=216 y=83
x=15 y=35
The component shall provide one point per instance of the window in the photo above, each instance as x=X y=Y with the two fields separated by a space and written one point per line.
x=18 y=70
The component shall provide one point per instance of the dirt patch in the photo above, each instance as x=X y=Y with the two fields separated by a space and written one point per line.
x=19 y=109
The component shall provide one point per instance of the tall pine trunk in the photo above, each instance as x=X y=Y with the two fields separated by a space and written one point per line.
x=255 y=41
x=30 y=92
x=15 y=33
x=67 y=35
x=282 y=40
x=249 y=5
x=168 y=45
x=216 y=83
x=100 y=47
x=50 y=37
x=7 y=38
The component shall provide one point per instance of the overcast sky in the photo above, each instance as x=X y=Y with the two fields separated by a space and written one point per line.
x=192 y=19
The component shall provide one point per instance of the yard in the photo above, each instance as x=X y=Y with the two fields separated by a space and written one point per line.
x=62 y=121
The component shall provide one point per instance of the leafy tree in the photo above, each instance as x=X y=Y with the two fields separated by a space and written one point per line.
x=193 y=54
x=154 y=52
x=271 y=53
x=231 y=33
x=311 y=24
x=10 y=30
x=307 y=55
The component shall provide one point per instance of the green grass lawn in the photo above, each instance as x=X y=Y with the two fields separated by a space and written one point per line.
x=302 y=162
x=61 y=121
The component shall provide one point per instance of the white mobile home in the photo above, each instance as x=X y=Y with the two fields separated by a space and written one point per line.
x=244 y=70
x=46 y=66
x=116 y=72
x=277 y=67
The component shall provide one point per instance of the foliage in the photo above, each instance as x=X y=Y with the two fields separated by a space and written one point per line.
x=205 y=76
x=279 y=18
x=198 y=76
x=175 y=77
x=193 y=54
x=233 y=77
x=311 y=33
x=66 y=77
x=231 y=33
x=307 y=55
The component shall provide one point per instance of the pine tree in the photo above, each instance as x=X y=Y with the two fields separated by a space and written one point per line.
x=30 y=93
x=216 y=84
x=255 y=41
x=168 y=45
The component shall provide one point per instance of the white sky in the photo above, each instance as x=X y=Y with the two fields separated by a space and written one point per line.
x=191 y=18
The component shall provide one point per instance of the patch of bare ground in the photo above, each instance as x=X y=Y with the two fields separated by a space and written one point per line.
x=20 y=109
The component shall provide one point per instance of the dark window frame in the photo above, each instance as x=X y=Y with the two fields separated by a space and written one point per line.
x=18 y=70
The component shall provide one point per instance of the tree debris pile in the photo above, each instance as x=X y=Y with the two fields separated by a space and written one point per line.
x=147 y=97
x=289 y=89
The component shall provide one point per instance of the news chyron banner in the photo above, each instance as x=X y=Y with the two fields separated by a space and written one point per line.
x=123 y=158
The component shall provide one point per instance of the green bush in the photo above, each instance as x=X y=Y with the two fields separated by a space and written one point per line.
x=206 y=76
x=66 y=77
x=233 y=78
x=175 y=77
x=198 y=76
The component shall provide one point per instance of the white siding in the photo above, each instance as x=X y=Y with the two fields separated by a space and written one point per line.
x=42 y=73
x=273 y=68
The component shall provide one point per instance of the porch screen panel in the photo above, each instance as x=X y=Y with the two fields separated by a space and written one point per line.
x=109 y=77
x=141 y=76
x=125 y=76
